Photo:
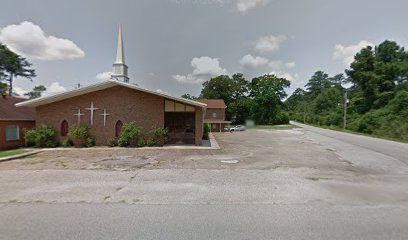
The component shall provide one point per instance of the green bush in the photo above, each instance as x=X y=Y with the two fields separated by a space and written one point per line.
x=206 y=131
x=89 y=142
x=41 y=137
x=112 y=142
x=141 y=143
x=79 y=135
x=159 y=135
x=150 y=142
x=129 y=135
x=67 y=143
x=77 y=132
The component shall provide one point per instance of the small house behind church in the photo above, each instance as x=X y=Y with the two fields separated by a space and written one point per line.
x=215 y=114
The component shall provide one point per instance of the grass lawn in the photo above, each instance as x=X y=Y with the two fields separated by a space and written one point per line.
x=274 y=127
x=8 y=153
x=334 y=128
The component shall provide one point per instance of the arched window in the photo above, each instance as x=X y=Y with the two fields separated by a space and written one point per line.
x=64 y=128
x=118 y=128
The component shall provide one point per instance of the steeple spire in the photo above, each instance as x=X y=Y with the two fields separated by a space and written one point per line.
x=119 y=67
x=120 y=57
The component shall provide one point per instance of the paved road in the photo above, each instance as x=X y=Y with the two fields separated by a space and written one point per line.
x=393 y=149
x=293 y=184
x=179 y=221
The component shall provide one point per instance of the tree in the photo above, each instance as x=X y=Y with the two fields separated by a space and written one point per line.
x=3 y=88
x=267 y=92
x=36 y=92
x=12 y=65
x=188 y=96
x=221 y=87
x=317 y=83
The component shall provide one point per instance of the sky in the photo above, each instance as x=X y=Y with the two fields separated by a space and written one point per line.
x=175 y=45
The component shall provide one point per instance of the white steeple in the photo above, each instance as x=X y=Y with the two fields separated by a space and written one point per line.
x=119 y=67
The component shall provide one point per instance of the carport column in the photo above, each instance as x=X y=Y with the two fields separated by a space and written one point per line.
x=220 y=127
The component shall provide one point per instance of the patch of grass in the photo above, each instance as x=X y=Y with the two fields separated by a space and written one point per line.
x=317 y=178
x=8 y=153
x=274 y=127
x=339 y=129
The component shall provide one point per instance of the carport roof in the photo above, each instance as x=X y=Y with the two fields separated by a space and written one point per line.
x=100 y=86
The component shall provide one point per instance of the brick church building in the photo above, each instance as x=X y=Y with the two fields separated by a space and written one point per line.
x=104 y=107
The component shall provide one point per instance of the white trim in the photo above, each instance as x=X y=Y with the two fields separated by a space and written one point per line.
x=100 y=86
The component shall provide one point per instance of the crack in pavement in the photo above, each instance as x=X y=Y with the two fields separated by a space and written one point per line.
x=109 y=197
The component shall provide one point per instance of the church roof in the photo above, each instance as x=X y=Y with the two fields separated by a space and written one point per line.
x=100 y=86
x=9 y=112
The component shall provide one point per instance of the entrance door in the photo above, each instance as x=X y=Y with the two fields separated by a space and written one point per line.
x=181 y=126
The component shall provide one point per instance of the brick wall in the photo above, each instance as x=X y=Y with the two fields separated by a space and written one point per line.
x=220 y=113
x=120 y=102
x=13 y=144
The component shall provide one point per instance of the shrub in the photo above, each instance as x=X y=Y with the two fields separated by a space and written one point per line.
x=67 y=143
x=112 y=142
x=41 y=137
x=122 y=142
x=141 y=143
x=159 y=135
x=206 y=131
x=79 y=135
x=150 y=142
x=129 y=135
x=89 y=142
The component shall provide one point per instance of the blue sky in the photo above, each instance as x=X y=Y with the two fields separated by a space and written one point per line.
x=175 y=45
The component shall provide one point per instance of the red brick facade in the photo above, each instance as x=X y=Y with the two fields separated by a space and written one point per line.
x=24 y=124
x=122 y=103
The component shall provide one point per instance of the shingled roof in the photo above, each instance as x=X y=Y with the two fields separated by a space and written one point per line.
x=10 y=112
x=212 y=103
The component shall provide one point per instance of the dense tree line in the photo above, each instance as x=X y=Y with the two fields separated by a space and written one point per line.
x=260 y=99
x=377 y=94
x=372 y=94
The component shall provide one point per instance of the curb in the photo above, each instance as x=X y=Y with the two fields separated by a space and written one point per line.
x=21 y=155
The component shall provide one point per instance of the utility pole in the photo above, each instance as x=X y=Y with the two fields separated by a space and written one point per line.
x=345 y=110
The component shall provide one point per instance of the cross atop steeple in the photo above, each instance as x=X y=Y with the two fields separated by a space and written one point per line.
x=120 y=72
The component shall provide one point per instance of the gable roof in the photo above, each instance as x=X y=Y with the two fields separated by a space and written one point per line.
x=100 y=86
x=10 y=112
x=213 y=103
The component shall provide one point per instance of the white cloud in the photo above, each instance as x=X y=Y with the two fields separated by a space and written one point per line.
x=54 y=88
x=250 y=61
x=19 y=91
x=276 y=64
x=244 y=5
x=204 y=69
x=32 y=42
x=347 y=53
x=269 y=43
x=290 y=65
x=104 y=76
x=288 y=76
